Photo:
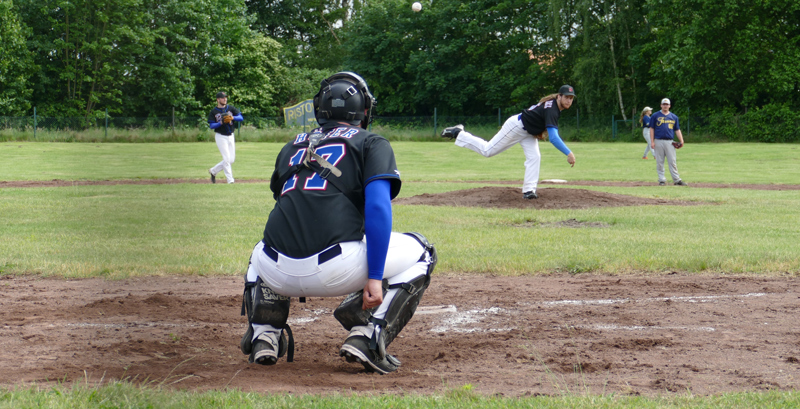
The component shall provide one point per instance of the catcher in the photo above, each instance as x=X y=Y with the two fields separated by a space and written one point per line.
x=664 y=126
x=527 y=129
x=330 y=234
x=220 y=119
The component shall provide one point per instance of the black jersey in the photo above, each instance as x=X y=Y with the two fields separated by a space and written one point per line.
x=539 y=117
x=310 y=212
x=216 y=116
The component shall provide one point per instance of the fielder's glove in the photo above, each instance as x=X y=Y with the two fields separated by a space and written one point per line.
x=677 y=145
x=227 y=117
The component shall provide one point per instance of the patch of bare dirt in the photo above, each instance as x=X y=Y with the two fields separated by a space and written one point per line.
x=514 y=336
x=549 y=198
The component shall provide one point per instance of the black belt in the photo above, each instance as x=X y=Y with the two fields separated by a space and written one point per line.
x=326 y=255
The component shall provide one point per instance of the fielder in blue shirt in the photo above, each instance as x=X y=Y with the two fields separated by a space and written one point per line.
x=664 y=127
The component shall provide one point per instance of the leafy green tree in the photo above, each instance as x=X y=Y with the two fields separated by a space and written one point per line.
x=465 y=58
x=732 y=53
x=309 y=30
x=144 y=57
x=16 y=62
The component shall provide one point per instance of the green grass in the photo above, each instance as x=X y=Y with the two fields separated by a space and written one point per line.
x=125 y=395
x=419 y=161
x=124 y=230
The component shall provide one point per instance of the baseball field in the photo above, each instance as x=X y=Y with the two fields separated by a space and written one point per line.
x=121 y=278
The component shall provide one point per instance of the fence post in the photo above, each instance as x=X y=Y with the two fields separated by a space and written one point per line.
x=434 y=121
x=578 y=118
x=173 y=120
x=34 y=122
x=106 y=127
x=499 y=113
x=613 y=128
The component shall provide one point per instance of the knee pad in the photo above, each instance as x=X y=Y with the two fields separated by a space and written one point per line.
x=429 y=248
x=350 y=313
x=263 y=306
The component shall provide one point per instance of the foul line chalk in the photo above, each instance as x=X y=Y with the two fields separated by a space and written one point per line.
x=702 y=298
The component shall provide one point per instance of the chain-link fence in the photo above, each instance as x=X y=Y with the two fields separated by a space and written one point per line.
x=573 y=126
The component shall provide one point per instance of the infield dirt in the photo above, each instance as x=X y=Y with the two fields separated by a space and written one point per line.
x=671 y=333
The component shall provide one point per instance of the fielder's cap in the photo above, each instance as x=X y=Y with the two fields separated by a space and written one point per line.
x=222 y=95
x=665 y=101
x=566 y=90
x=647 y=109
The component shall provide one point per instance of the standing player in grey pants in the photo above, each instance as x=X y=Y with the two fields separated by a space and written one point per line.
x=644 y=120
x=221 y=120
x=664 y=126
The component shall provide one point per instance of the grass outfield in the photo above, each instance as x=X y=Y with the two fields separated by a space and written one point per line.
x=124 y=230
x=124 y=395
x=118 y=231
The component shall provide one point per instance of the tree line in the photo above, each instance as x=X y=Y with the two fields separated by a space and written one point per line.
x=145 y=57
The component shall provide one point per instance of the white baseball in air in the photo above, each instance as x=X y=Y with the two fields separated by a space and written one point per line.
x=416 y=6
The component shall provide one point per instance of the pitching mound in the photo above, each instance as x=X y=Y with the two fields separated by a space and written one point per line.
x=549 y=198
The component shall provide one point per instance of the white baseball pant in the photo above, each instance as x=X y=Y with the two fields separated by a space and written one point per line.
x=341 y=275
x=227 y=147
x=510 y=134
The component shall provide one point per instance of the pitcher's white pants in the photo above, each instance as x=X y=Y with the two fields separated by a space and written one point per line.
x=227 y=147
x=341 y=275
x=510 y=134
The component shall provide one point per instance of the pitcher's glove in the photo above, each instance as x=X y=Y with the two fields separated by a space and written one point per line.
x=677 y=145
x=227 y=117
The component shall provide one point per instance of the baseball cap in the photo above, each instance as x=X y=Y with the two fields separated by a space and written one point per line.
x=566 y=90
x=222 y=95
x=665 y=101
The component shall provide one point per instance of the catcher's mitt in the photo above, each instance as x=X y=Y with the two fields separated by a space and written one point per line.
x=227 y=117
x=677 y=145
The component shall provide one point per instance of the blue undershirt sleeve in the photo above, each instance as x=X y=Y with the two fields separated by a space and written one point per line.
x=552 y=134
x=238 y=118
x=377 y=225
x=214 y=125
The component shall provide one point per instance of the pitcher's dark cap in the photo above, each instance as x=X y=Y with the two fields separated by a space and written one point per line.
x=566 y=90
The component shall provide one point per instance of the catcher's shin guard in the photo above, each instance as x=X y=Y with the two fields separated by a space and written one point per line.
x=405 y=301
x=402 y=307
x=263 y=306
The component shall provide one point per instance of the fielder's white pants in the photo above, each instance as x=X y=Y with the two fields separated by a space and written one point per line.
x=227 y=147
x=665 y=150
x=341 y=275
x=510 y=134
x=647 y=149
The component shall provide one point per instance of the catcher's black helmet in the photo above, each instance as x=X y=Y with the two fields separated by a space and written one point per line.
x=344 y=97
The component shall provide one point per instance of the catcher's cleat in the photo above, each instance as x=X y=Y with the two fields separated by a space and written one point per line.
x=681 y=183
x=356 y=349
x=530 y=195
x=452 y=132
x=213 y=178
x=266 y=350
x=662 y=183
